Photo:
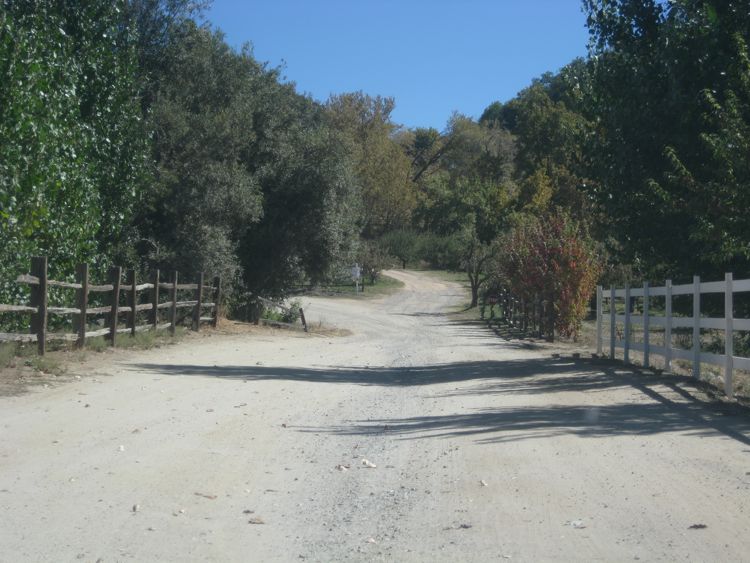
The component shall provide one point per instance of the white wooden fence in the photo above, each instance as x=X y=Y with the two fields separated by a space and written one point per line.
x=727 y=324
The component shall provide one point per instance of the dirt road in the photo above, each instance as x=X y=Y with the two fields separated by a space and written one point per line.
x=238 y=448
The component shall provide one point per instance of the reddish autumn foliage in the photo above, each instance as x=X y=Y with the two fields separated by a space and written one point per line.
x=552 y=258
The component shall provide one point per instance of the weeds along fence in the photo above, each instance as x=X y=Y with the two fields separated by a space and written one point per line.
x=113 y=292
x=253 y=311
x=535 y=316
x=673 y=334
x=289 y=310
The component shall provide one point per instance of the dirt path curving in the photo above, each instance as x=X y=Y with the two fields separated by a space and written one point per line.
x=259 y=448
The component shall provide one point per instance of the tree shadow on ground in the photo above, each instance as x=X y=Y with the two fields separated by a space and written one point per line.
x=535 y=371
x=480 y=330
x=536 y=422
x=658 y=404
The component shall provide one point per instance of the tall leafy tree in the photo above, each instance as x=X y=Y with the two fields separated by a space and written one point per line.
x=382 y=170
x=251 y=181
x=72 y=146
x=672 y=100
x=551 y=134
x=205 y=194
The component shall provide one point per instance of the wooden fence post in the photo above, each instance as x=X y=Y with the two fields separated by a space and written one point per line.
x=82 y=301
x=598 y=320
x=217 y=300
x=728 y=336
x=199 y=301
x=612 y=323
x=302 y=318
x=696 y=326
x=115 y=277
x=626 y=344
x=646 y=326
x=154 y=317
x=668 y=326
x=39 y=300
x=173 y=308
x=132 y=301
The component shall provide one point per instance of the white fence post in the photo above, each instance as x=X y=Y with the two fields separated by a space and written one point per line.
x=612 y=312
x=627 y=342
x=646 y=341
x=696 y=326
x=728 y=335
x=626 y=352
x=599 y=314
x=668 y=326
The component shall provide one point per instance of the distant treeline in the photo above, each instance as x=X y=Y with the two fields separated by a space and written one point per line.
x=131 y=133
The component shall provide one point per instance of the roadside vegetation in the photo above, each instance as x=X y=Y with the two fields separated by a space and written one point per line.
x=382 y=285
x=131 y=133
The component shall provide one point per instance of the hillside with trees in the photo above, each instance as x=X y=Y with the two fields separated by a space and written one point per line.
x=132 y=133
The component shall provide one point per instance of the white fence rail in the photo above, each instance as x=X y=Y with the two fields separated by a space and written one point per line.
x=667 y=322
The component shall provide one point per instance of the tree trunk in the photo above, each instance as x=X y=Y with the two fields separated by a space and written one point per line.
x=474 y=295
x=474 y=282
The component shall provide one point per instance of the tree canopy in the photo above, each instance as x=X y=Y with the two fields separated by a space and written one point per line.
x=131 y=132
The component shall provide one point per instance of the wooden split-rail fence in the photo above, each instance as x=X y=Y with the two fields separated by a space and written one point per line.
x=40 y=309
x=615 y=306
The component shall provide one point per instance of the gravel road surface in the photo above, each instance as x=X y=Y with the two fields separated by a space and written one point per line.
x=417 y=437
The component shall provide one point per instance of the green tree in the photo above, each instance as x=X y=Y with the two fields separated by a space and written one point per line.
x=73 y=148
x=475 y=256
x=669 y=160
x=381 y=168
x=551 y=136
x=401 y=244
x=252 y=182
x=204 y=196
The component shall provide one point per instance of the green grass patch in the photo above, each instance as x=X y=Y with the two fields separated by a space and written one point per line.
x=97 y=344
x=46 y=364
x=147 y=339
x=143 y=340
x=384 y=285
x=448 y=276
x=7 y=354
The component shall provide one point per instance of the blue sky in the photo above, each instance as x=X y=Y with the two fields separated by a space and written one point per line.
x=433 y=56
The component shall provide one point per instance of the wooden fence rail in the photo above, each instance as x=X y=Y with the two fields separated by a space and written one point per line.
x=40 y=310
x=667 y=322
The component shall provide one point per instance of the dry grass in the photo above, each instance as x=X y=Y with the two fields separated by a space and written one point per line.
x=710 y=374
x=22 y=369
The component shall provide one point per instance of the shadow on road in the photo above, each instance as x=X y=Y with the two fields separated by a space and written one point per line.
x=675 y=404
x=535 y=422
x=507 y=375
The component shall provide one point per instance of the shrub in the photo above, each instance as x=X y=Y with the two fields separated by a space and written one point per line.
x=292 y=314
x=373 y=259
x=554 y=258
x=401 y=244
x=441 y=251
